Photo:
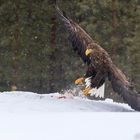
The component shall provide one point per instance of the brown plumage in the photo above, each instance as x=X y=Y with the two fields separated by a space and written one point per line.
x=100 y=65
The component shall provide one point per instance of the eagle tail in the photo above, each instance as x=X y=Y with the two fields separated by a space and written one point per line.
x=121 y=85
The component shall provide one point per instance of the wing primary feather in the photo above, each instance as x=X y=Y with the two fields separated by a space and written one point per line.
x=77 y=36
x=61 y=14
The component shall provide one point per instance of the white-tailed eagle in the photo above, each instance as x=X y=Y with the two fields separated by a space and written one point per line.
x=100 y=65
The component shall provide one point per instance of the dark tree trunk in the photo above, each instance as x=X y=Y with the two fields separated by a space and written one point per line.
x=52 y=56
x=16 y=47
x=114 y=27
x=114 y=14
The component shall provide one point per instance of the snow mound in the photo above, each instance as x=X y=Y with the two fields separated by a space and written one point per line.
x=31 y=102
x=30 y=116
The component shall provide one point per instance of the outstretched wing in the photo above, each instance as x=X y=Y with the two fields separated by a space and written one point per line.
x=77 y=36
x=121 y=85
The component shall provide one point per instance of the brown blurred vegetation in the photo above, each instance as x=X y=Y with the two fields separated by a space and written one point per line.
x=35 y=54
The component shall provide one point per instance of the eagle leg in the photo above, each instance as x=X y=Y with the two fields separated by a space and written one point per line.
x=86 y=91
x=79 y=81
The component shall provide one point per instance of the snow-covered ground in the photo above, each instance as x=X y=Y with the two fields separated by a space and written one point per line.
x=28 y=102
x=30 y=116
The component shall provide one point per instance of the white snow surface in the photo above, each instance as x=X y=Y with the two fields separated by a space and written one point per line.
x=30 y=116
x=16 y=102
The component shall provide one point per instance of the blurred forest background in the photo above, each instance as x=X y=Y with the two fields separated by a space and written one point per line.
x=35 y=54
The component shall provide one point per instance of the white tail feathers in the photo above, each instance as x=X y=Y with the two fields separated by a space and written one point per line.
x=94 y=91
x=98 y=92
x=88 y=81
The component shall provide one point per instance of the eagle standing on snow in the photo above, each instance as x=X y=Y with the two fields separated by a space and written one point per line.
x=100 y=65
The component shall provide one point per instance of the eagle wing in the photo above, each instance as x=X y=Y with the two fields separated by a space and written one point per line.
x=105 y=68
x=81 y=41
x=77 y=36
x=122 y=86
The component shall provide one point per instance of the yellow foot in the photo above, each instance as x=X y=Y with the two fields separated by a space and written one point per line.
x=79 y=81
x=86 y=91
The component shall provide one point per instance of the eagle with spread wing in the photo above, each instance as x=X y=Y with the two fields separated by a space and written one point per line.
x=100 y=65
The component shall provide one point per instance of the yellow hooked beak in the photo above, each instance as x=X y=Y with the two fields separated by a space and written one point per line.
x=88 y=51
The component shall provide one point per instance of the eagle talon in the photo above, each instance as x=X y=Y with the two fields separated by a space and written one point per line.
x=86 y=91
x=79 y=81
